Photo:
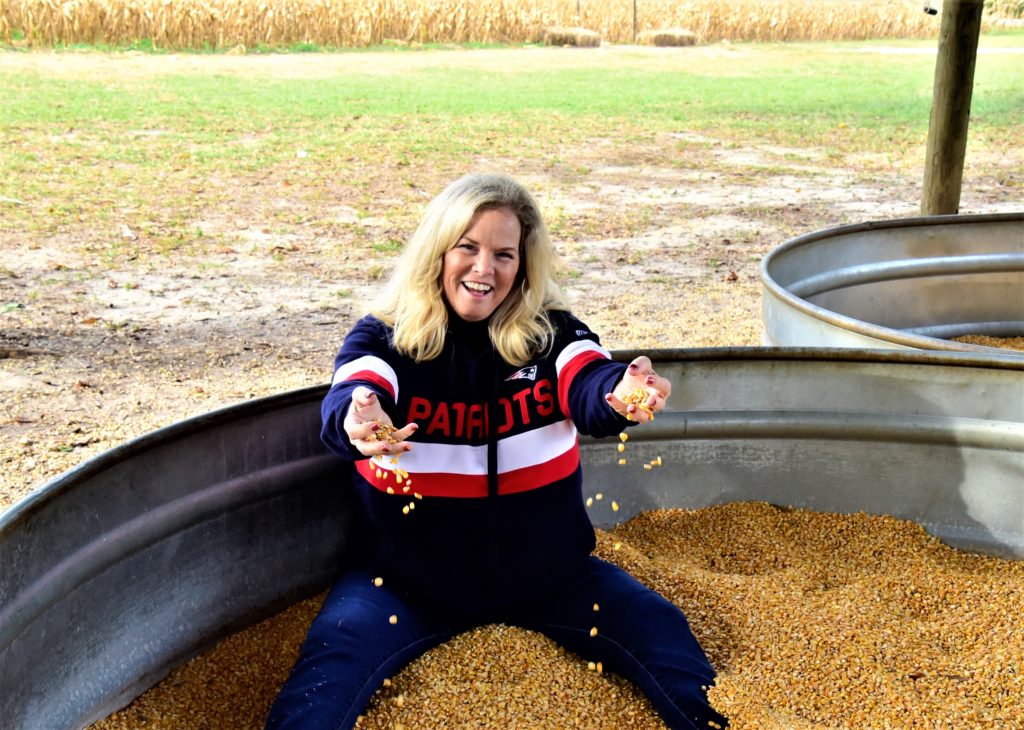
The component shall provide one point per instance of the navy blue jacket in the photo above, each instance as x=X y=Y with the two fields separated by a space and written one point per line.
x=495 y=473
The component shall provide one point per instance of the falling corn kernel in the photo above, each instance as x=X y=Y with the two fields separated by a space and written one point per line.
x=398 y=478
x=378 y=582
x=597 y=607
x=615 y=506
x=591 y=666
x=412 y=505
x=393 y=620
x=599 y=495
x=406 y=488
x=400 y=700
x=593 y=631
x=417 y=495
x=657 y=462
x=622 y=461
x=647 y=467
x=387 y=682
x=622 y=447
x=390 y=490
x=379 y=473
x=405 y=510
x=623 y=437
x=600 y=668
x=590 y=501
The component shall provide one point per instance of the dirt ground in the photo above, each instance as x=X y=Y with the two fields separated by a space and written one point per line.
x=656 y=255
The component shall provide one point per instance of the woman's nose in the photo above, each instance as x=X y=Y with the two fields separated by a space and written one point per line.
x=484 y=263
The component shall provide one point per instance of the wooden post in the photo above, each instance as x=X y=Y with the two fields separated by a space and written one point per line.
x=951 y=106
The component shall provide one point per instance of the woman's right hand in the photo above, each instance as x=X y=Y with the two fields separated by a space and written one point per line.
x=367 y=423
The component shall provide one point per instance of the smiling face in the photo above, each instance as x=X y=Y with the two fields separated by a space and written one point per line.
x=479 y=271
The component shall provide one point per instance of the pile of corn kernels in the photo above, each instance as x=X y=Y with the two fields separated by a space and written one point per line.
x=813 y=620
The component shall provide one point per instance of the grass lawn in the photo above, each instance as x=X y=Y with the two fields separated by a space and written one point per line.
x=83 y=133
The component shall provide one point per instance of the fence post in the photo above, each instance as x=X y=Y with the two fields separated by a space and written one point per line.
x=951 y=106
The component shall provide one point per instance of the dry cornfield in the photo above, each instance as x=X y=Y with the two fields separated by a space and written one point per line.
x=219 y=24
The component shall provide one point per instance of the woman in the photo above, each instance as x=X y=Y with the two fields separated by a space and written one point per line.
x=477 y=498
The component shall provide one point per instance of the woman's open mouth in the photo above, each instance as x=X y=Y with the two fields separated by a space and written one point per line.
x=477 y=289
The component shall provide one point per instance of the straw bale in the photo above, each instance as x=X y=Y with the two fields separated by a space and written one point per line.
x=667 y=37
x=579 y=37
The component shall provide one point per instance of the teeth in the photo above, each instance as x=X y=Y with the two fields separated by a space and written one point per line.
x=472 y=285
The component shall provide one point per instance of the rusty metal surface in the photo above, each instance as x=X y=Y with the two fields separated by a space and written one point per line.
x=121 y=569
x=910 y=283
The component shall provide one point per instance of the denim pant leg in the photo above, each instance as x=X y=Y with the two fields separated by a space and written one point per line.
x=640 y=635
x=351 y=647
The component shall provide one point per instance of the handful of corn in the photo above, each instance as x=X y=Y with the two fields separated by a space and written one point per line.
x=639 y=398
x=385 y=432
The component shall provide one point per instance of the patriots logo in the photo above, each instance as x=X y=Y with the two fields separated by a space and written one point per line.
x=527 y=373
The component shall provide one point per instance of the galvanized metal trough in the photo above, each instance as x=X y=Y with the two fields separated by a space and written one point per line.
x=911 y=283
x=119 y=570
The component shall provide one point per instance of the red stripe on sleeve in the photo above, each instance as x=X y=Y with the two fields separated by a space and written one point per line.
x=373 y=378
x=569 y=372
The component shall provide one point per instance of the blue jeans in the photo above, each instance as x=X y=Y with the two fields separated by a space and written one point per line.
x=352 y=647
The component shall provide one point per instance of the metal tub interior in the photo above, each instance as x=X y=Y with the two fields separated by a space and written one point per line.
x=121 y=569
x=911 y=283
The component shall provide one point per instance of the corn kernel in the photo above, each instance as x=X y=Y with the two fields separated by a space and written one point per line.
x=647 y=467
x=590 y=501
x=597 y=607
x=390 y=490
x=600 y=668
x=615 y=506
x=405 y=510
x=591 y=666
x=412 y=505
x=593 y=631
x=378 y=582
x=623 y=437
x=417 y=495
x=622 y=461
x=599 y=496
x=622 y=447
x=393 y=620
x=387 y=681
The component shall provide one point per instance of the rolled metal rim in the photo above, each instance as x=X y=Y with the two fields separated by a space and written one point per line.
x=883 y=334
x=981 y=357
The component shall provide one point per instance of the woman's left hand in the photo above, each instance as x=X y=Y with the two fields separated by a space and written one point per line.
x=639 y=376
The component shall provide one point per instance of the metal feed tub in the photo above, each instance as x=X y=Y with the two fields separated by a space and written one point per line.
x=913 y=283
x=119 y=570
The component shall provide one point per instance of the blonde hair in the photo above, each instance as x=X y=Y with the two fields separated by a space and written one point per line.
x=413 y=301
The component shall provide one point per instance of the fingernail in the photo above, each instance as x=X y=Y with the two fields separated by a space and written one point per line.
x=633 y=367
x=385 y=449
x=650 y=380
x=376 y=426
